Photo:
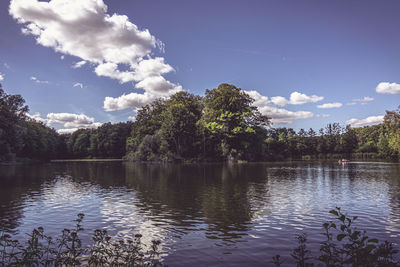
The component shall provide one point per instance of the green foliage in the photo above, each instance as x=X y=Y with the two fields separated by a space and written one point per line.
x=67 y=250
x=179 y=127
x=230 y=118
x=107 y=141
x=223 y=125
x=12 y=112
x=345 y=245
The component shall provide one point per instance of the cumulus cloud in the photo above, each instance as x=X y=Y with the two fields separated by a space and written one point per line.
x=279 y=101
x=330 y=105
x=131 y=100
x=112 y=43
x=132 y=118
x=372 y=120
x=67 y=131
x=277 y=115
x=78 y=85
x=79 y=64
x=388 y=88
x=71 y=120
x=36 y=117
x=1 y=76
x=296 y=98
x=36 y=80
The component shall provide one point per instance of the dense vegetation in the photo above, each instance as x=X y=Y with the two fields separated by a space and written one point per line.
x=222 y=125
x=23 y=137
x=67 y=250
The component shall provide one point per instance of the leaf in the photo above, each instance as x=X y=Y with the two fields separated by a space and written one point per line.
x=333 y=225
x=370 y=247
x=342 y=227
x=373 y=240
x=334 y=212
x=340 y=237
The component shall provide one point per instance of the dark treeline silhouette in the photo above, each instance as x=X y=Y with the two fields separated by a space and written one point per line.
x=222 y=125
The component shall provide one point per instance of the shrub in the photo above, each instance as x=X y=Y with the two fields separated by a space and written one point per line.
x=67 y=250
x=344 y=245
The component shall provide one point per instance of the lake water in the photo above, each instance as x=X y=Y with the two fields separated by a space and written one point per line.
x=204 y=214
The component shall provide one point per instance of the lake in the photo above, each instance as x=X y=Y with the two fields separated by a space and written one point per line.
x=204 y=214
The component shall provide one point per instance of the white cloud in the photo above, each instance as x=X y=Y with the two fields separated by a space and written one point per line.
x=279 y=101
x=82 y=28
x=322 y=115
x=78 y=85
x=71 y=121
x=277 y=115
x=36 y=117
x=330 y=105
x=367 y=99
x=132 y=100
x=36 y=80
x=388 y=88
x=67 y=131
x=1 y=76
x=296 y=98
x=372 y=120
x=62 y=57
x=6 y=66
x=115 y=46
x=363 y=101
x=132 y=118
x=79 y=64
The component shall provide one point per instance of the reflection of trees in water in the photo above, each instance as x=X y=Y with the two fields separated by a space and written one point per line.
x=17 y=183
x=215 y=194
x=105 y=174
x=394 y=195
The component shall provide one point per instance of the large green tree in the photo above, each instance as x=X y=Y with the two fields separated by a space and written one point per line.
x=229 y=116
x=12 y=112
x=179 y=126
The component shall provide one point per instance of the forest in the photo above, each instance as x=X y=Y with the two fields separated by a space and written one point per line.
x=222 y=125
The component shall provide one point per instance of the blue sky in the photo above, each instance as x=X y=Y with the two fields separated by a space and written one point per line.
x=80 y=63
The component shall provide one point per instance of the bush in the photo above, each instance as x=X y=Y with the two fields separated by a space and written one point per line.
x=67 y=250
x=344 y=245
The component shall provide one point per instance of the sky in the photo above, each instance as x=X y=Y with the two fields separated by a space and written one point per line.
x=81 y=63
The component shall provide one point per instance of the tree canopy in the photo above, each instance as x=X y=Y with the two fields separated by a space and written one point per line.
x=222 y=125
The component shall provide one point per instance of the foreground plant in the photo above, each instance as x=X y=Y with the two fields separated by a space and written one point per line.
x=344 y=245
x=67 y=250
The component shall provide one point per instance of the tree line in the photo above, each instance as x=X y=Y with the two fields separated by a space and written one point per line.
x=24 y=137
x=222 y=125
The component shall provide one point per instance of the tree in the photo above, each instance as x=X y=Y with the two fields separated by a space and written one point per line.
x=348 y=141
x=148 y=121
x=12 y=112
x=392 y=127
x=230 y=117
x=179 y=127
